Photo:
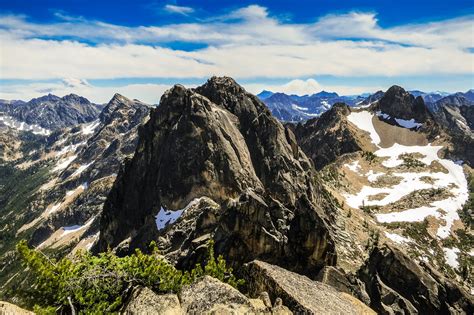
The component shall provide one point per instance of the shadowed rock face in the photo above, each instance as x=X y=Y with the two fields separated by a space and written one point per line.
x=326 y=138
x=395 y=283
x=398 y=103
x=221 y=142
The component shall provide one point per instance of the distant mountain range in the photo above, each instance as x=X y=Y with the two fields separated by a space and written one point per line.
x=49 y=112
x=373 y=199
x=295 y=108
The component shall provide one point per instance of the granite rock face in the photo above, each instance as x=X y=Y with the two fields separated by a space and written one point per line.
x=220 y=142
x=397 y=284
x=142 y=300
x=301 y=294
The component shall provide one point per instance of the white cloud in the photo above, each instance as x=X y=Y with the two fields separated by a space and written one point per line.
x=310 y=86
x=178 y=9
x=246 y=43
x=148 y=93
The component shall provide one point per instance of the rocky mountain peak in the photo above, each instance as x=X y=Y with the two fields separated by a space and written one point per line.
x=399 y=103
x=216 y=156
x=74 y=98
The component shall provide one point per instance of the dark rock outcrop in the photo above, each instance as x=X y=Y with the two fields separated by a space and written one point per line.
x=396 y=284
x=220 y=142
x=398 y=103
x=328 y=137
x=301 y=294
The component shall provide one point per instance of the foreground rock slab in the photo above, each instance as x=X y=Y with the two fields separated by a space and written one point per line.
x=299 y=293
x=210 y=295
x=144 y=301
x=11 y=309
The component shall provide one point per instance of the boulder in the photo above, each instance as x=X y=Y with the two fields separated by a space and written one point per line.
x=210 y=295
x=299 y=293
x=11 y=309
x=142 y=300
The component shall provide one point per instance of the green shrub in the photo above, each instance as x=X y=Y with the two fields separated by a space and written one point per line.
x=98 y=284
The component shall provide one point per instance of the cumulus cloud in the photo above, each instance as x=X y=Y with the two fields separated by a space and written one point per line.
x=310 y=86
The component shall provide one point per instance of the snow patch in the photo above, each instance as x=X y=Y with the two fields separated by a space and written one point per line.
x=363 y=121
x=455 y=181
x=22 y=126
x=354 y=166
x=76 y=228
x=296 y=107
x=410 y=124
x=451 y=255
x=397 y=238
x=81 y=169
x=62 y=164
x=165 y=217
x=89 y=128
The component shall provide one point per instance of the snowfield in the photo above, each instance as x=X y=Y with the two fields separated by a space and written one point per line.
x=409 y=124
x=90 y=127
x=451 y=256
x=165 y=217
x=22 y=126
x=363 y=121
x=454 y=181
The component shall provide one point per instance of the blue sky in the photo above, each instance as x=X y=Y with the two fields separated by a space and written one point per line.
x=141 y=48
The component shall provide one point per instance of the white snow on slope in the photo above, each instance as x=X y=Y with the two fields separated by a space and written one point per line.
x=372 y=176
x=165 y=217
x=63 y=163
x=455 y=181
x=430 y=153
x=294 y=106
x=408 y=123
x=22 y=126
x=70 y=148
x=397 y=238
x=325 y=104
x=451 y=255
x=363 y=121
x=81 y=186
x=354 y=166
x=90 y=127
x=401 y=122
x=81 y=169
x=75 y=228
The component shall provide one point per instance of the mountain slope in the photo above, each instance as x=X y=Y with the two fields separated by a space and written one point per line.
x=216 y=164
x=57 y=186
x=325 y=138
x=51 y=112
x=294 y=108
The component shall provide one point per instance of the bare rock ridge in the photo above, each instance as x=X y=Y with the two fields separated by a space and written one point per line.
x=53 y=112
x=222 y=143
x=395 y=283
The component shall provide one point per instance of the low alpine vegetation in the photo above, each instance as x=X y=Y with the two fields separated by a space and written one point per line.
x=99 y=284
